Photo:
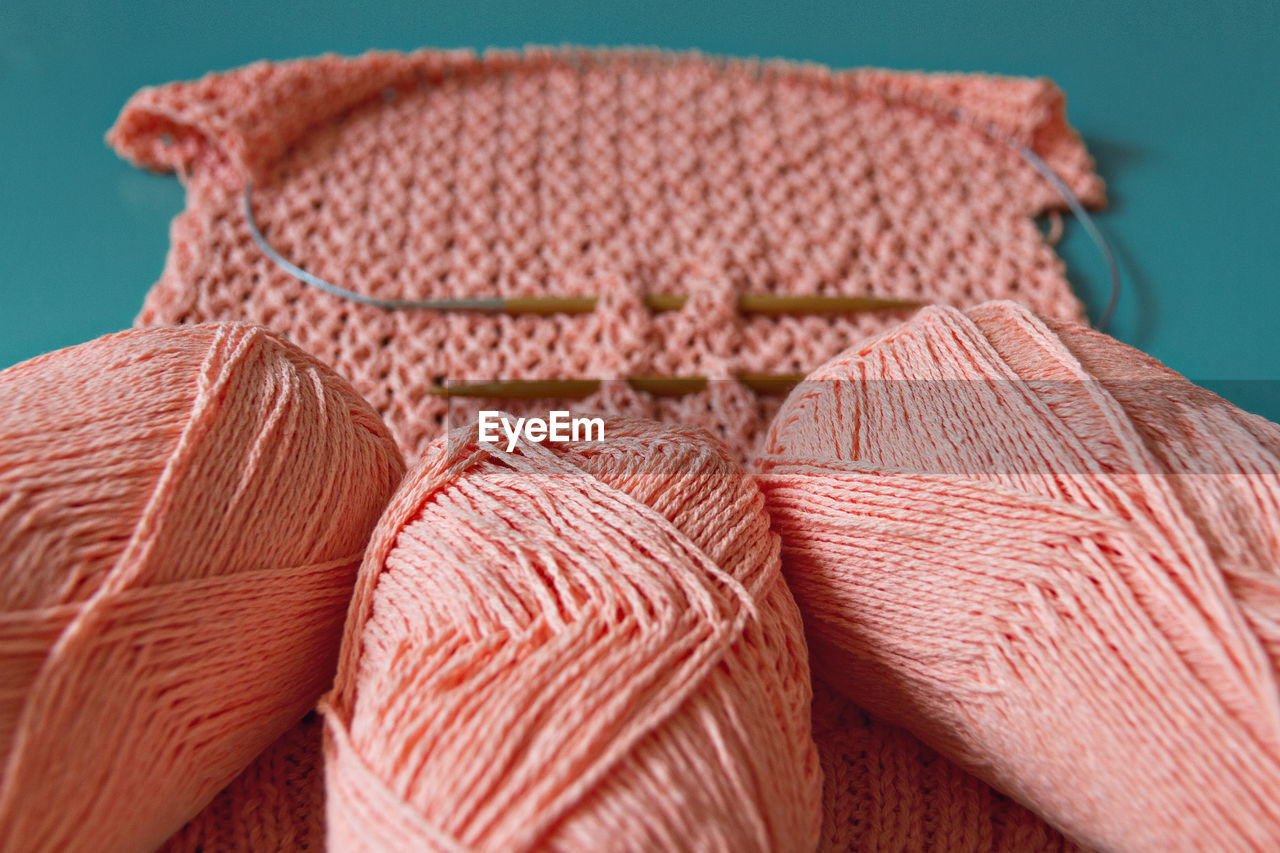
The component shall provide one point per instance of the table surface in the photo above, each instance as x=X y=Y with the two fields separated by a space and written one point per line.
x=1177 y=102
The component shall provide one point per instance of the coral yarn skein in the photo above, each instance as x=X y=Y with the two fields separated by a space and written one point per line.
x=183 y=512
x=1054 y=560
x=574 y=647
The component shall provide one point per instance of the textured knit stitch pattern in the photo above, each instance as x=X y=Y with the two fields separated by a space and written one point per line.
x=612 y=173
x=616 y=174
x=1052 y=558
x=577 y=647
x=174 y=582
x=885 y=790
x=275 y=806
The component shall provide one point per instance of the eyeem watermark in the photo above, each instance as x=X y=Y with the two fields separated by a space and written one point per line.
x=558 y=426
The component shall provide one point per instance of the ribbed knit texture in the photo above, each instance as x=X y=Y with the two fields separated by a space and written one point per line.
x=615 y=173
x=885 y=790
x=276 y=804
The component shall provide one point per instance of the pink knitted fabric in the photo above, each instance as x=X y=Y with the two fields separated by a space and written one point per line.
x=617 y=173
x=885 y=790
x=276 y=804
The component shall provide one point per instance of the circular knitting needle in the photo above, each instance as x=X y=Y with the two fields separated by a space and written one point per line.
x=748 y=303
x=577 y=389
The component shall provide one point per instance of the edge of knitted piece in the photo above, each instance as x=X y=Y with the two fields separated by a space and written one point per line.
x=231 y=122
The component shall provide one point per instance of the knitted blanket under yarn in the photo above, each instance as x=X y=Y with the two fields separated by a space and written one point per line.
x=444 y=174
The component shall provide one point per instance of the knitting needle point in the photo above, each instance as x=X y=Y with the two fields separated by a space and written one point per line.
x=748 y=303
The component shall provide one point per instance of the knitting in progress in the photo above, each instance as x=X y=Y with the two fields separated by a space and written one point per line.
x=617 y=174
x=1053 y=559
x=174 y=582
x=986 y=580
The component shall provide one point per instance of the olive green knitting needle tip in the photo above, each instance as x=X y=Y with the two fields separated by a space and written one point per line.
x=772 y=304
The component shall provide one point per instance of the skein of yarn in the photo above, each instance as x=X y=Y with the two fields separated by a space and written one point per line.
x=1054 y=560
x=183 y=512
x=577 y=646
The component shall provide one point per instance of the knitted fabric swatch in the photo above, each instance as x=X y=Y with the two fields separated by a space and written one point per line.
x=617 y=174
x=885 y=790
x=276 y=804
x=438 y=175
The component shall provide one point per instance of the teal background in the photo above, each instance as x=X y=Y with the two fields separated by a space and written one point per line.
x=1179 y=102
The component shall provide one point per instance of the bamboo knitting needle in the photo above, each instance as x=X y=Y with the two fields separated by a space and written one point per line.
x=576 y=389
x=770 y=304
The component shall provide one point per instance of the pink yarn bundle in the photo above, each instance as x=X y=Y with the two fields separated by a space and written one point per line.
x=1054 y=560
x=182 y=514
x=573 y=647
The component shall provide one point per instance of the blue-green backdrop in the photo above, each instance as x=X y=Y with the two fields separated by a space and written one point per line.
x=1178 y=101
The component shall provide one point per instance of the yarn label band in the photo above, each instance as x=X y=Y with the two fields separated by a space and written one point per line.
x=559 y=426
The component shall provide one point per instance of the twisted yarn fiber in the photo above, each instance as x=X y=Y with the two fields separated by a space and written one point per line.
x=1053 y=559
x=183 y=511
x=609 y=173
x=574 y=647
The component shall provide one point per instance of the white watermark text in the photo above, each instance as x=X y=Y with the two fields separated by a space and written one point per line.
x=557 y=426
